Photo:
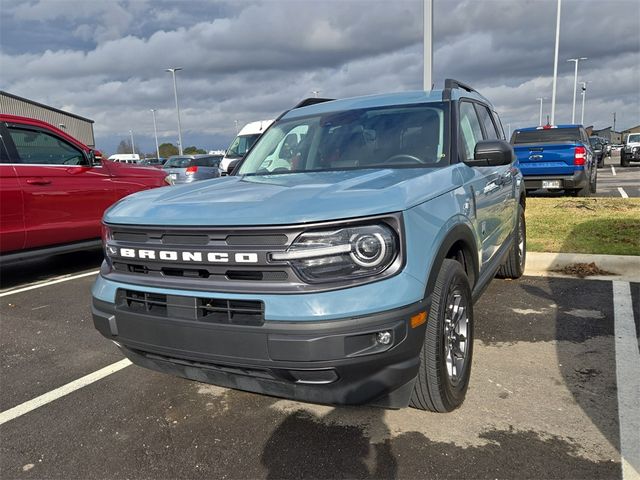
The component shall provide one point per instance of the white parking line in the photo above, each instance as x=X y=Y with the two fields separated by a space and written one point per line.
x=628 y=380
x=623 y=194
x=48 y=397
x=613 y=171
x=50 y=282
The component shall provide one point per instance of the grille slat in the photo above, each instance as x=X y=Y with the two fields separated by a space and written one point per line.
x=209 y=310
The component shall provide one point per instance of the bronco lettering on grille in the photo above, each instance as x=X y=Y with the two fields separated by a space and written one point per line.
x=173 y=256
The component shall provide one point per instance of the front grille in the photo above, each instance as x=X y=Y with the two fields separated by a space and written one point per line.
x=198 y=309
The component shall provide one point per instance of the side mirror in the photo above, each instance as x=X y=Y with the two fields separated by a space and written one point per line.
x=95 y=158
x=491 y=153
x=232 y=166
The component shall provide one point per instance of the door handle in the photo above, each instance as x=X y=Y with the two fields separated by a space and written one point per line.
x=38 y=181
x=490 y=187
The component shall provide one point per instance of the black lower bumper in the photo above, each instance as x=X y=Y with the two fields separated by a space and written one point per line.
x=337 y=362
x=580 y=179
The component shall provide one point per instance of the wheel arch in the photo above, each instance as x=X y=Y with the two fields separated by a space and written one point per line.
x=458 y=244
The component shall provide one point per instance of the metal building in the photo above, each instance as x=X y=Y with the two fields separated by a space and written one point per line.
x=75 y=125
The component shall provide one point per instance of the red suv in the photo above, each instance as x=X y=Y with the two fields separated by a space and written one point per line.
x=54 y=189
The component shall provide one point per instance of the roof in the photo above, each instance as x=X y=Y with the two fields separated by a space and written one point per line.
x=42 y=105
x=381 y=100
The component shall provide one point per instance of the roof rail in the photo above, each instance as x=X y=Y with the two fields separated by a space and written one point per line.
x=450 y=83
x=312 y=101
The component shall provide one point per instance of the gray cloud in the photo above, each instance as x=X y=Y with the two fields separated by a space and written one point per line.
x=251 y=60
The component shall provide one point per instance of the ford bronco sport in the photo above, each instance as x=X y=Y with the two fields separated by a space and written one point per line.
x=342 y=272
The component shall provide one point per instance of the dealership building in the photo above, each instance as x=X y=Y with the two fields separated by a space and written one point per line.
x=78 y=127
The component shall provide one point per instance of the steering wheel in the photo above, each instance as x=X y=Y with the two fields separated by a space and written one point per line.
x=400 y=157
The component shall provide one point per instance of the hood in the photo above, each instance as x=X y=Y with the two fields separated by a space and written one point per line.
x=127 y=170
x=286 y=198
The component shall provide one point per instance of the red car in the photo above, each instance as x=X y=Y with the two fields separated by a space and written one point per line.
x=54 y=189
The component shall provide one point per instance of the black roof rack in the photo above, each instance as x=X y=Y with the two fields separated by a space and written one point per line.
x=450 y=83
x=312 y=101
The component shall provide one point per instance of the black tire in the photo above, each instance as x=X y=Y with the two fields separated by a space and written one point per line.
x=593 y=184
x=514 y=265
x=624 y=161
x=601 y=162
x=581 y=192
x=437 y=389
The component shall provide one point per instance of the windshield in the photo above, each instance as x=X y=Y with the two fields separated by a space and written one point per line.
x=389 y=137
x=177 y=162
x=241 y=144
x=633 y=138
x=594 y=141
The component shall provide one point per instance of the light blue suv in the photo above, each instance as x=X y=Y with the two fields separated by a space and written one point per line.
x=340 y=262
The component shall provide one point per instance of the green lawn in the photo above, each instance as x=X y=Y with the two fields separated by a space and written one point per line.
x=584 y=225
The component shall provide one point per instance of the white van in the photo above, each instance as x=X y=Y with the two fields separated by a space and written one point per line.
x=244 y=141
x=125 y=158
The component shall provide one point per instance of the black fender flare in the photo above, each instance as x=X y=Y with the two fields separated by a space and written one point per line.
x=459 y=233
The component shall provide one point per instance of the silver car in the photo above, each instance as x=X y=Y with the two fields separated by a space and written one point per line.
x=191 y=168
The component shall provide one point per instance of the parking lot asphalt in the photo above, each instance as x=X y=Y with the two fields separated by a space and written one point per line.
x=542 y=402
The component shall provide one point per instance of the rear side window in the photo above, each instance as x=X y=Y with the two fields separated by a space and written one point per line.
x=206 y=162
x=487 y=122
x=547 y=136
x=470 y=131
x=37 y=147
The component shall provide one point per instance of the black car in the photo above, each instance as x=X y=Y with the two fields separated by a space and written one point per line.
x=598 y=144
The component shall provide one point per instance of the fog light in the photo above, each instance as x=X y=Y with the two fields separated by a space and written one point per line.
x=384 y=338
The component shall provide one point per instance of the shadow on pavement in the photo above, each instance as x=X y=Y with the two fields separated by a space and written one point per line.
x=41 y=269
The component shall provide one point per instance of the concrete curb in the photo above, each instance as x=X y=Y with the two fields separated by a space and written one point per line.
x=625 y=267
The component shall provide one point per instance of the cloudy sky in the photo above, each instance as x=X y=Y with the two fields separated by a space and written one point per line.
x=250 y=60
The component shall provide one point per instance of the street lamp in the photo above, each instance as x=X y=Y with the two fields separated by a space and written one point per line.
x=133 y=148
x=427 y=78
x=555 y=66
x=584 y=94
x=316 y=93
x=175 y=93
x=575 y=86
x=540 y=99
x=155 y=131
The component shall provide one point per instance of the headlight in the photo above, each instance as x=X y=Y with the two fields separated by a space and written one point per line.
x=107 y=236
x=342 y=254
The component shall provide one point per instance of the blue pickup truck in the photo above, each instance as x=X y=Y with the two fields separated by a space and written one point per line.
x=558 y=157
x=341 y=272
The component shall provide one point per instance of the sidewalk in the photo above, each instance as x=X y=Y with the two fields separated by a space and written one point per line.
x=624 y=267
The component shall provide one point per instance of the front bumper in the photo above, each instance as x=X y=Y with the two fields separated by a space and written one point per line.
x=329 y=362
x=579 y=179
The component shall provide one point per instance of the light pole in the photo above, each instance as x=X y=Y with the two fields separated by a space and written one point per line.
x=133 y=148
x=427 y=78
x=155 y=131
x=584 y=94
x=175 y=93
x=614 y=121
x=540 y=99
x=555 y=66
x=575 y=86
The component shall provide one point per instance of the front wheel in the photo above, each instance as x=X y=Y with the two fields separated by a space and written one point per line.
x=445 y=358
x=624 y=161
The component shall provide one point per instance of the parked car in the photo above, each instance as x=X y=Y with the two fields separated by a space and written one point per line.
x=244 y=141
x=53 y=191
x=125 y=158
x=598 y=145
x=346 y=275
x=191 y=168
x=630 y=151
x=558 y=157
x=152 y=162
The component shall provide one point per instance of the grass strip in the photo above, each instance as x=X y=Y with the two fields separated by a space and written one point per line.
x=584 y=225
